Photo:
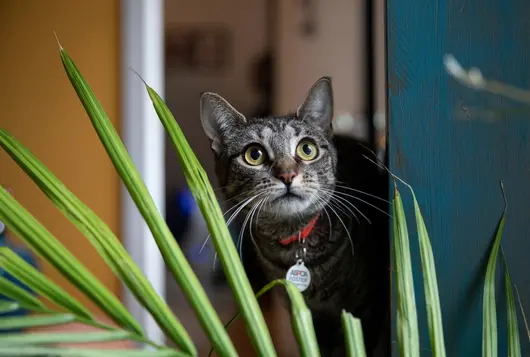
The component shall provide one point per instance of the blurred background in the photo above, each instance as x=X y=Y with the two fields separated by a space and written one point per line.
x=261 y=55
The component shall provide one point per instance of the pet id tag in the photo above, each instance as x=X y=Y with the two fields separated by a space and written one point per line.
x=299 y=275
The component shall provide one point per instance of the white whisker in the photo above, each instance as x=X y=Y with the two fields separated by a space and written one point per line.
x=363 y=201
x=364 y=193
x=241 y=205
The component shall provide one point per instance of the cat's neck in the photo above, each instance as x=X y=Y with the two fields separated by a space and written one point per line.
x=275 y=228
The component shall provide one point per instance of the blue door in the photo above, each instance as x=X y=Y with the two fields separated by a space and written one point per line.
x=454 y=145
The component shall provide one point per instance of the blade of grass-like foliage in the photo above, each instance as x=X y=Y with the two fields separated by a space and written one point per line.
x=169 y=249
x=22 y=296
x=67 y=352
x=8 y=306
x=102 y=238
x=522 y=312
x=430 y=283
x=353 y=333
x=27 y=228
x=514 y=343
x=22 y=322
x=489 y=309
x=407 y=320
x=37 y=282
x=224 y=245
x=301 y=318
x=25 y=339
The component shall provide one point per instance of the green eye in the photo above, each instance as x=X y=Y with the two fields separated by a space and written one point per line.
x=306 y=150
x=254 y=155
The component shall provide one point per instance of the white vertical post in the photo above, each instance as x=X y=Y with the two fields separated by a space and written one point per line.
x=142 y=39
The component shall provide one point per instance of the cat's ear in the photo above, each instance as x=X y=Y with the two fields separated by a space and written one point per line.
x=318 y=105
x=217 y=116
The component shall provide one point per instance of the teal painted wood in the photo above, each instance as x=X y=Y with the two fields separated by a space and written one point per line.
x=455 y=159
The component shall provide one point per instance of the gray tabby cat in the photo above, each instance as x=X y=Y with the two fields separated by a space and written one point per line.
x=285 y=175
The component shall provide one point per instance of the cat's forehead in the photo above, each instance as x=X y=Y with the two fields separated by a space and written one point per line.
x=277 y=129
x=279 y=134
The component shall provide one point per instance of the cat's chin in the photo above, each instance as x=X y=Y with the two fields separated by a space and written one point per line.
x=290 y=205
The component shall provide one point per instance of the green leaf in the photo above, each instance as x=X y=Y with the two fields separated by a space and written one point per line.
x=66 y=352
x=489 y=310
x=24 y=339
x=14 y=323
x=301 y=318
x=514 y=343
x=26 y=227
x=430 y=284
x=522 y=312
x=353 y=333
x=37 y=282
x=102 y=238
x=8 y=306
x=170 y=250
x=407 y=320
x=204 y=196
x=20 y=295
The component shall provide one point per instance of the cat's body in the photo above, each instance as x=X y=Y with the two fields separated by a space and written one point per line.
x=289 y=172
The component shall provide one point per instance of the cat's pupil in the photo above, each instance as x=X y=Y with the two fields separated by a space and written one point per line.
x=255 y=154
x=307 y=149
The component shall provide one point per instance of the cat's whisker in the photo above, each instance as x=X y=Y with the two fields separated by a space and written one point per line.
x=345 y=229
x=260 y=205
x=363 y=201
x=322 y=207
x=236 y=196
x=242 y=230
x=259 y=211
x=345 y=202
x=241 y=205
x=362 y=192
x=339 y=205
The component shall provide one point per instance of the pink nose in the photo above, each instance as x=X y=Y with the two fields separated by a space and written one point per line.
x=287 y=177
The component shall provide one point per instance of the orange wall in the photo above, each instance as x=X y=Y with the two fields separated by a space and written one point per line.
x=40 y=108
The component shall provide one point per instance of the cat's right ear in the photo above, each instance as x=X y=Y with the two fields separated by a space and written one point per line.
x=218 y=116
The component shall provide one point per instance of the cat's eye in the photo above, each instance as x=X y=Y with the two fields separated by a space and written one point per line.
x=306 y=150
x=254 y=155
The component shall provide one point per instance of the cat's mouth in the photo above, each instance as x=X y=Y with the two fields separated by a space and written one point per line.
x=288 y=196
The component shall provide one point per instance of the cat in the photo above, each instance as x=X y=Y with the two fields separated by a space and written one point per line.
x=290 y=176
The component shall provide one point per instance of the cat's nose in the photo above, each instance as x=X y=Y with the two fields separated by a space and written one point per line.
x=287 y=177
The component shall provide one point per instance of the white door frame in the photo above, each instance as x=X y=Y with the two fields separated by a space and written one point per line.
x=142 y=41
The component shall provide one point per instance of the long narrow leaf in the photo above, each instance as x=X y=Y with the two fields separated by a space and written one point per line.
x=26 y=227
x=430 y=285
x=522 y=312
x=36 y=281
x=8 y=306
x=205 y=198
x=16 y=293
x=22 y=322
x=102 y=238
x=173 y=255
x=407 y=320
x=514 y=342
x=301 y=319
x=353 y=333
x=66 y=352
x=25 y=339
x=489 y=309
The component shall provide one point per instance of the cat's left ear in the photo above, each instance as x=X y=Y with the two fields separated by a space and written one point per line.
x=218 y=117
x=318 y=105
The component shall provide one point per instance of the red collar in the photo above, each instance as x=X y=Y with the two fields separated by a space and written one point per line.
x=302 y=235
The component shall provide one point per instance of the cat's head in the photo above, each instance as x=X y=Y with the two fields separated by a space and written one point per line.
x=287 y=163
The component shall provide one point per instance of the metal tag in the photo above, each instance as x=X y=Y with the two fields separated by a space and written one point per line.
x=299 y=275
